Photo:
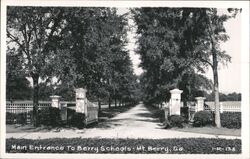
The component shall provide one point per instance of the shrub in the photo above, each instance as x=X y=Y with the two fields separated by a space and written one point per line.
x=203 y=118
x=10 y=118
x=19 y=118
x=174 y=121
x=185 y=113
x=49 y=116
x=231 y=120
x=77 y=120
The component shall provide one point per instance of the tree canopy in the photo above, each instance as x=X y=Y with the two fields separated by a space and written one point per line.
x=178 y=42
x=62 y=48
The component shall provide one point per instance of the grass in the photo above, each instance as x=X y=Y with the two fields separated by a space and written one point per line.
x=211 y=130
x=125 y=146
x=156 y=112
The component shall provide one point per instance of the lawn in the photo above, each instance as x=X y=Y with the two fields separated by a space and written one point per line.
x=211 y=130
x=158 y=113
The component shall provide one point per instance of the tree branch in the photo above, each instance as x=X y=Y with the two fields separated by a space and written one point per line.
x=13 y=38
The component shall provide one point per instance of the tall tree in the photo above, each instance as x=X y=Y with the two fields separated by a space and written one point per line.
x=33 y=31
x=164 y=56
x=93 y=53
x=17 y=86
x=204 y=33
x=176 y=41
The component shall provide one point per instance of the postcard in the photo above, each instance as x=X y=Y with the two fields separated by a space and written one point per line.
x=124 y=79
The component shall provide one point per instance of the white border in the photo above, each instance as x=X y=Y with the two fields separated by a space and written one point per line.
x=124 y=4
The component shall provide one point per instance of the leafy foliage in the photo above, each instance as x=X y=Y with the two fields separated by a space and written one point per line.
x=49 y=116
x=166 y=54
x=32 y=35
x=203 y=118
x=95 y=56
x=20 y=118
x=174 y=42
x=225 y=97
x=231 y=120
x=77 y=120
x=17 y=86
x=62 y=48
x=174 y=121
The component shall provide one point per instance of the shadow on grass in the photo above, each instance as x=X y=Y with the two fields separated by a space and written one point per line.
x=113 y=111
x=105 y=116
x=156 y=112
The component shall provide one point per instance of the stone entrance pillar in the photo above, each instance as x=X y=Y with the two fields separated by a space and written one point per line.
x=55 y=101
x=199 y=106
x=81 y=105
x=175 y=102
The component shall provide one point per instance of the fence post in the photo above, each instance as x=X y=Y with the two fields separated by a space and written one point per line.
x=199 y=106
x=55 y=101
x=81 y=105
x=221 y=108
x=175 y=102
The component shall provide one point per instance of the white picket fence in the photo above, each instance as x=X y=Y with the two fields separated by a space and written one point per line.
x=18 y=107
x=227 y=106
x=24 y=106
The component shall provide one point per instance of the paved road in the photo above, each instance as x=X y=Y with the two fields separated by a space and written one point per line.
x=134 y=123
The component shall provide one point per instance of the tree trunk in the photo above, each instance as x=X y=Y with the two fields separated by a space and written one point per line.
x=35 y=78
x=115 y=102
x=109 y=103
x=99 y=105
x=216 y=89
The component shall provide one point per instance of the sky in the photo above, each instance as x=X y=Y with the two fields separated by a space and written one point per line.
x=229 y=75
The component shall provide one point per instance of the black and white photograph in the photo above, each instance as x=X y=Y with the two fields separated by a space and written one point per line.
x=128 y=79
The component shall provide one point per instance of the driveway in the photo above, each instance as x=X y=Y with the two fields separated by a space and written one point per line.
x=137 y=122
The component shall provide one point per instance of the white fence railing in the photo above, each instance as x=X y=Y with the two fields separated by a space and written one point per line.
x=228 y=106
x=24 y=106
x=18 y=107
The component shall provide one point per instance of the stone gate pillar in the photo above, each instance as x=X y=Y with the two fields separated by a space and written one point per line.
x=55 y=101
x=199 y=106
x=175 y=102
x=81 y=105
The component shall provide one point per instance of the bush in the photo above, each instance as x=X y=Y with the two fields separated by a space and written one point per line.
x=231 y=120
x=20 y=118
x=77 y=120
x=49 y=116
x=129 y=146
x=202 y=118
x=174 y=121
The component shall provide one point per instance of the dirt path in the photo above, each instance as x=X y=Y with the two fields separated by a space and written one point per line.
x=134 y=123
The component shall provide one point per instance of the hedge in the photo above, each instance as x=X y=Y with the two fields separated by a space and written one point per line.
x=122 y=146
x=49 y=116
x=231 y=120
x=203 y=118
x=19 y=118
x=174 y=121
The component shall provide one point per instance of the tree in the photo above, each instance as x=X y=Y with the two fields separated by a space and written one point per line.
x=93 y=54
x=180 y=40
x=34 y=32
x=165 y=56
x=17 y=86
x=204 y=34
